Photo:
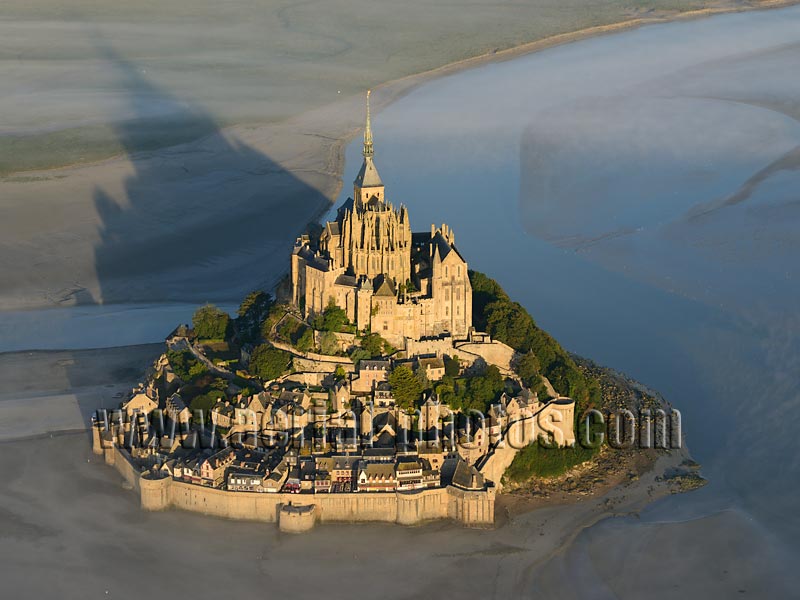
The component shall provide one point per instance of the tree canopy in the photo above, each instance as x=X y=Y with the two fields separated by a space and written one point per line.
x=405 y=387
x=333 y=318
x=375 y=345
x=328 y=344
x=510 y=323
x=252 y=311
x=210 y=323
x=185 y=365
x=268 y=362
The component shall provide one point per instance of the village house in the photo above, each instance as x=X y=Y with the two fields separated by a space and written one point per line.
x=276 y=479
x=409 y=475
x=177 y=410
x=370 y=373
x=343 y=468
x=212 y=469
x=376 y=477
x=432 y=366
x=382 y=396
x=140 y=403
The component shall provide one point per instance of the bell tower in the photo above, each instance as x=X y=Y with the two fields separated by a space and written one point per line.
x=368 y=185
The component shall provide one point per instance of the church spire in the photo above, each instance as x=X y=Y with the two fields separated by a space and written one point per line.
x=368 y=133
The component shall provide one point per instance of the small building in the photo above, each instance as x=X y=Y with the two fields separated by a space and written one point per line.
x=343 y=468
x=247 y=480
x=370 y=373
x=382 y=396
x=177 y=410
x=212 y=469
x=323 y=466
x=140 y=403
x=468 y=477
x=276 y=479
x=409 y=475
x=377 y=477
x=433 y=367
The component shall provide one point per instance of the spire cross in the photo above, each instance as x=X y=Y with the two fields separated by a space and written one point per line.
x=368 y=151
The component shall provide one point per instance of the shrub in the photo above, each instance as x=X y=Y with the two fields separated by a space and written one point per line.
x=510 y=323
x=185 y=365
x=333 y=318
x=328 y=344
x=269 y=363
x=452 y=367
x=540 y=461
x=253 y=310
x=305 y=343
x=210 y=323
x=376 y=345
x=359 y=354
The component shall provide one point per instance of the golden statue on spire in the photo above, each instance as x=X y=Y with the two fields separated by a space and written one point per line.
x=368 y=151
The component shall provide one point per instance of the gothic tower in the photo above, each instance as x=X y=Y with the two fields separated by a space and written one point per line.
x=368 y=183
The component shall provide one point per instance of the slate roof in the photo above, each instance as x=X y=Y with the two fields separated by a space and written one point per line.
x=368 y=175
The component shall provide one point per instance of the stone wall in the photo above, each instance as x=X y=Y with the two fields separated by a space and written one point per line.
x=294 y=518
x=494 y=353
x=473 y=509
x=119 y=460
x=439 y=347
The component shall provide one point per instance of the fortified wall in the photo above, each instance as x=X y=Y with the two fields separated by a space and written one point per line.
x=299 y=512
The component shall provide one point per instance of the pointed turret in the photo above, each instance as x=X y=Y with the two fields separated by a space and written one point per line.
x=368 y=149
x=368 y=184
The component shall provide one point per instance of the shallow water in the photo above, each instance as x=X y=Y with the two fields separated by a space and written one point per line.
x=581 y=178
x=639 y=194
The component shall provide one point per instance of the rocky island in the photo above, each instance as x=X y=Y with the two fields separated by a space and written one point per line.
x=384 y=381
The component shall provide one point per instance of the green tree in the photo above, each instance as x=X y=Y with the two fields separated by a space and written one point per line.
x=210 y=323
x=274 y=314
x=376 y=345
x=305 y=343
x=339 y=373
x=268 y=362
x=484 y=389
x=333 y=318
x=253 y=310
x=205 y=402
x=527 y=368
x=452 y=367
x=509 y=322
x=185 y=365
x=405 y=386
x=328 y=344
x=359 y=354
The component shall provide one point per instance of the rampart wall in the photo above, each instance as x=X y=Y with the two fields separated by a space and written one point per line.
x=470 y=508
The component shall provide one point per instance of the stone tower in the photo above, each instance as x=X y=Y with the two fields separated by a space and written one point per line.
x=368 y=183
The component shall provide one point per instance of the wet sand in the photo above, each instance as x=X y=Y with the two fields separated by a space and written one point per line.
x=212 y=217
x=78 y=533
x=70 y=530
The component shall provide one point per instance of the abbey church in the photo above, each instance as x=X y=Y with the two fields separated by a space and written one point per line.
x=396 y=283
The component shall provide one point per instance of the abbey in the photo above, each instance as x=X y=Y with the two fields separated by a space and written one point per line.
x=389 y=280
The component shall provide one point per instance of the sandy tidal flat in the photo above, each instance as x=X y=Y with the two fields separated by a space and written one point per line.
x=192 y=207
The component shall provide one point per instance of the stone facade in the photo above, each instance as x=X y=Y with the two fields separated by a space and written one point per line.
x=367 y=261
x=470 y=508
